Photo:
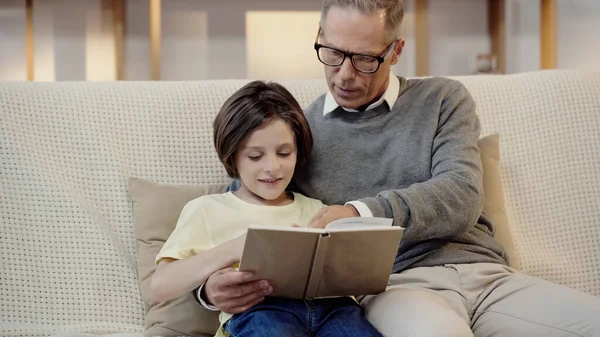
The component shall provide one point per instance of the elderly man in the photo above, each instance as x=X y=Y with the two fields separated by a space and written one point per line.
x=407 y=149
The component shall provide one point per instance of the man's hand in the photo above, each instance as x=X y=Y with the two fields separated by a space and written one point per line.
x=234 y=292
x=331 y=213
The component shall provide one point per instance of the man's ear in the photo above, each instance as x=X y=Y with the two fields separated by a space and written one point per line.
x=397 y=50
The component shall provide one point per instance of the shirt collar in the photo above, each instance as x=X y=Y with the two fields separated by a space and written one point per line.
x=390 y=96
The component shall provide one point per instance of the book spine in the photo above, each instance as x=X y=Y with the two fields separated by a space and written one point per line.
x=314 y=278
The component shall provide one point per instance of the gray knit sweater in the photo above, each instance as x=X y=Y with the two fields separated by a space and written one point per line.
x=417 y=162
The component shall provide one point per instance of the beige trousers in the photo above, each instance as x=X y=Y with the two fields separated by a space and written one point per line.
x=481 y=300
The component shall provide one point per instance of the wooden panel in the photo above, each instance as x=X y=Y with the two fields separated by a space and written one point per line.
x=497 y=29
x=155 y=9
x=549 y=34
x=118 y=9
x=422 y=37
x=29 y=45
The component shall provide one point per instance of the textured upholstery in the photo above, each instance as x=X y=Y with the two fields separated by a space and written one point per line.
x=67 y=247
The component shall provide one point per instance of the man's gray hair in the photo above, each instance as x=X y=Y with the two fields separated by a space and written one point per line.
x=393 y=10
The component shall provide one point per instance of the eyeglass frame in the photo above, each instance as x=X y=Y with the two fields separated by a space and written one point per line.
x=380 y=58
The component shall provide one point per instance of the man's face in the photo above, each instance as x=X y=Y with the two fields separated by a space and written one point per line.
x=350 y=30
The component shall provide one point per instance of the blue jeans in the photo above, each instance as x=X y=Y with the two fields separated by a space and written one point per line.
x=326 y=317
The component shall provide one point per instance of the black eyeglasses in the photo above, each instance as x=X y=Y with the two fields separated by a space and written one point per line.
x=333 y=57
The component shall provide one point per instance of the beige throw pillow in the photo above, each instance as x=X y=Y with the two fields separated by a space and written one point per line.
x=156 y=209
x=494 y=195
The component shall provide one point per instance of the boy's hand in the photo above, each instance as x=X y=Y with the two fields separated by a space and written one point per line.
x=234 y=292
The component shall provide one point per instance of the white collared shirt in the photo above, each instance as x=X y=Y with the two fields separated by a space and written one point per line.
x=390 y=96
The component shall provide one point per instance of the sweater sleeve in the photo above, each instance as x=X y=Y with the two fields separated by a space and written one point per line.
x=449 y=203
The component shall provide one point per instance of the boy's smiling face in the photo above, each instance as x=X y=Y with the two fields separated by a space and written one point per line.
x=265 y=162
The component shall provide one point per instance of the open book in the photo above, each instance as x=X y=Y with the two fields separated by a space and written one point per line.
x=352 y=256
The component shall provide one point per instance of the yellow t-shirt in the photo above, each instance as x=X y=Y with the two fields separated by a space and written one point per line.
x=211 y=220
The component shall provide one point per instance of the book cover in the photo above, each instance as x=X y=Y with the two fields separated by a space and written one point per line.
x=352 y=256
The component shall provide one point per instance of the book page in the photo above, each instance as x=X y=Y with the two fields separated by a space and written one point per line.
x=287 y=229
x=359 y=222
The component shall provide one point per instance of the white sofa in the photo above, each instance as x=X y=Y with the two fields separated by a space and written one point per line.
x=67 y=247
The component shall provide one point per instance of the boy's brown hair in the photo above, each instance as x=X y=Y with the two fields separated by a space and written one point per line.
x=253 y=105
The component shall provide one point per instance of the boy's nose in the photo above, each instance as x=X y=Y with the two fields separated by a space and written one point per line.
x=273 y=164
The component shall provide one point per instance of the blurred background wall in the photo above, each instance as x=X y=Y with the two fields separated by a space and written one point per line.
x=105 y=40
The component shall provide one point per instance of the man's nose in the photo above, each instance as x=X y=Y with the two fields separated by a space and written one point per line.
x=347 y=71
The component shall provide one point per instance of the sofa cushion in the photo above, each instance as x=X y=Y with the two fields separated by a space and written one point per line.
x=493 y=191
x=156 y=208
